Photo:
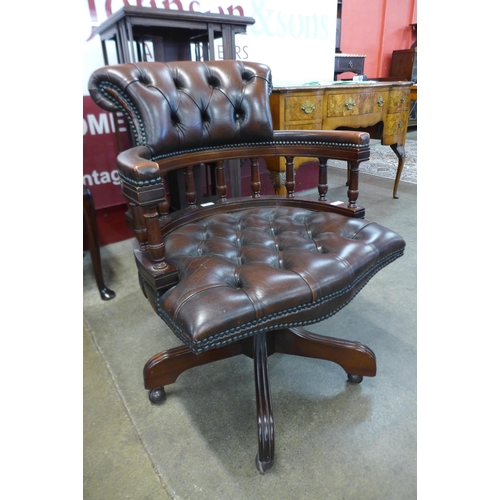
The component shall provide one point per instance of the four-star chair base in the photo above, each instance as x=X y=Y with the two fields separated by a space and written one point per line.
x=355 y=358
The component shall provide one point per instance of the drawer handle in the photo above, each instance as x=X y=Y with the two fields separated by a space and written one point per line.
x=380 y=101
x=403 y=99
x=351 y=64
x=308 y=107
x=349 y=104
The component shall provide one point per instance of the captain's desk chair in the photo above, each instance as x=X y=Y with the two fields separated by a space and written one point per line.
x=244 y=275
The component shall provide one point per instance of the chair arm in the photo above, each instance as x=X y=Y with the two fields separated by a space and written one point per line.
x=136 y=165
x=340 y=139
x=140 y=176
x=348 y=137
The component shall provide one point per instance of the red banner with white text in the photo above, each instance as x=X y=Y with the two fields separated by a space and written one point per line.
x=103 y=136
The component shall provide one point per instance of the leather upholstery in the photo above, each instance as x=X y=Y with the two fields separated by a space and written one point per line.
x=260 y=269
x=186 y=105
x=248 y=267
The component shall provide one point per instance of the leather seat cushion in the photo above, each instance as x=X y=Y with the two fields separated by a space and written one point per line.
x=266 y=268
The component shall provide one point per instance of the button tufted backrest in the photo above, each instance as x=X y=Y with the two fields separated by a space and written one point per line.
x=184 y=105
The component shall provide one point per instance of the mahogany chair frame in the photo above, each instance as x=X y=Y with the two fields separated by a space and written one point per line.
x=151 y=220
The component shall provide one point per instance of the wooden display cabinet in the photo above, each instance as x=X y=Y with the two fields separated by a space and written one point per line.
x=404 y=64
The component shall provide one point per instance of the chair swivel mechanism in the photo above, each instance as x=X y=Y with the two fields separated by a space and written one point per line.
x=240 y=275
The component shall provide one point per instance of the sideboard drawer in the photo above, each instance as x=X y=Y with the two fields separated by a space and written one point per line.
x=395 y=127
x=304 y=126
x=356 y=104
x=399 y=100
x=300 y=108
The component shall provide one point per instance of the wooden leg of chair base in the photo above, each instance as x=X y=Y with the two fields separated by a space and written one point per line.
x=355 y=358
x=164 y=368
x=265 y=422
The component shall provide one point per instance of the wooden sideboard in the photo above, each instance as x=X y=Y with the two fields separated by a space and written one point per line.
x=381 y=108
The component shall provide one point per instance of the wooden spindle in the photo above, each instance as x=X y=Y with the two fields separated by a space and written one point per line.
x=255 y=177
x=220 y=178
x=322 y=179
x=190 y=187
x=352 y=192
x=140 y=230
x=164 y=206
x=156 y=246
x=290 y=177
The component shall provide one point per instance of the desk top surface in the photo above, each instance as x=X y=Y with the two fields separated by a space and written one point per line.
x=342 y=86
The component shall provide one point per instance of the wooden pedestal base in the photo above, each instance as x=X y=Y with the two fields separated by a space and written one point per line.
x=356 y=359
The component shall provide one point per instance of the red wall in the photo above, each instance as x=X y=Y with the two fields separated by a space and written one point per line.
x=376 y=28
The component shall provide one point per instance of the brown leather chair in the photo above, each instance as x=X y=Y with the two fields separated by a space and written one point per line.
x=244 y=275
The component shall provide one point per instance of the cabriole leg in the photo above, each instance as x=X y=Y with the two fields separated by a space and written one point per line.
x=401 y=154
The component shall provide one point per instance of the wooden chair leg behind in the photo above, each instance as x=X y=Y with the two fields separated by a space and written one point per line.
x=93 y=239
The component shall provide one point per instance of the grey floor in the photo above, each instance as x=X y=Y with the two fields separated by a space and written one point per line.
x=334 y=440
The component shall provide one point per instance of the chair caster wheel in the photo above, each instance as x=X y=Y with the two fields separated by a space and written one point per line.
x=262 y=467
x=157 y=396
x=355 y=379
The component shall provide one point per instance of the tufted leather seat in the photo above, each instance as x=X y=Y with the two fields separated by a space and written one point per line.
x=244 y=275
x=264 y=268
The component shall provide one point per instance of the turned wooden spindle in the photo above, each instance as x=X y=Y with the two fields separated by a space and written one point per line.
x=164 y=208
x=140 y=230
x=220 y=178
x=156 y=246
x=352 y=192
x=190 y=187
x=255 y=177
x=322 y=179
x=290 y=177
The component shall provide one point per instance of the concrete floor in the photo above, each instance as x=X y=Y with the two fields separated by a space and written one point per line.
x=333 y=440
x=116 y=463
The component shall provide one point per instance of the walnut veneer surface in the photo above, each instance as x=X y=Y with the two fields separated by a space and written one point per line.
x=383 y=108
